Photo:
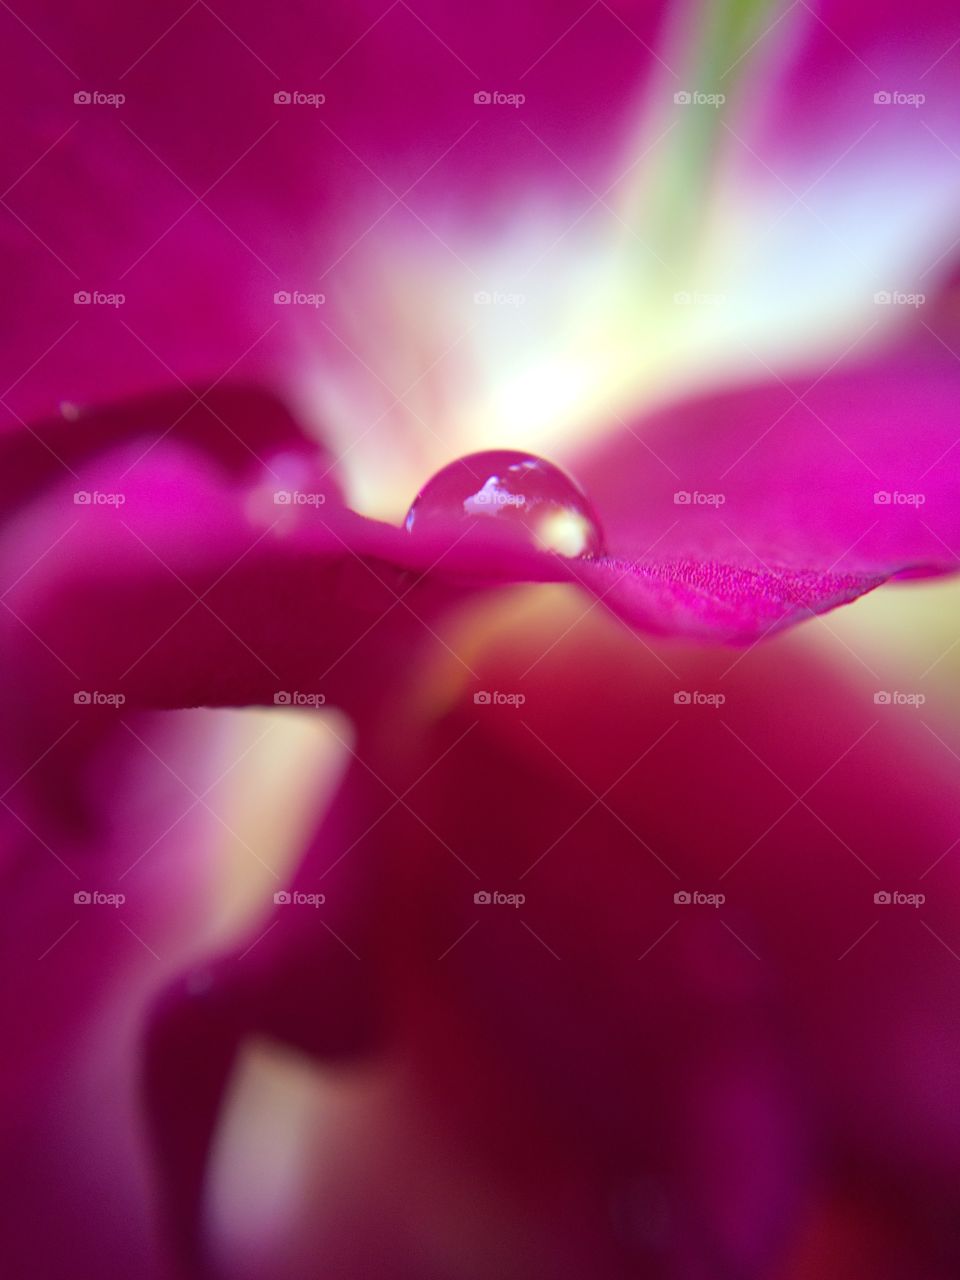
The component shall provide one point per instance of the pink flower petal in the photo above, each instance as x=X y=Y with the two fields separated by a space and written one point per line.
x=849 y=470
x=691 y=1078
x=90 y=809
x=726 y=518
x=199 y=197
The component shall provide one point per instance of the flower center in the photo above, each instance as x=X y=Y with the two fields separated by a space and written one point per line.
x=518 y=490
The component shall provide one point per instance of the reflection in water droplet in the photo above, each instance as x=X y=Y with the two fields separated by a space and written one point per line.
x=518 y=490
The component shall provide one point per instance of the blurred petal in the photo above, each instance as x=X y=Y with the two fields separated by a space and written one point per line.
x=92 y=809
x=236 y=427
x=637 y=1083
x=199 y=196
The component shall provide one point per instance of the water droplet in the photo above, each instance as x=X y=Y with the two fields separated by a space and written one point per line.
x=517 y=490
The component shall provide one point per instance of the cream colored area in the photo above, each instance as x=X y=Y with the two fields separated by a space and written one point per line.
x=309 y=1156
x=261 y=1147
x=566 y=532
x=288 y=766
x=905 y=637
x=591 y=318
x=268 y=1186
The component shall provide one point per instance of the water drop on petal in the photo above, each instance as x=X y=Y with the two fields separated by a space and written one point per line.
x=519 y=491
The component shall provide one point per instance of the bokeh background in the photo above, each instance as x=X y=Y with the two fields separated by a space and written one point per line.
x=528 y=228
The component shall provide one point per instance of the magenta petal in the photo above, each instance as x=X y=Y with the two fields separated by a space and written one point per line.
x=691 y=1080
x=237 y=427
x=688 y=1158
x=83 y=803
x=196 y=592
x=309 y=987
x=241 y=578
x=854 y=471
x=723 y=603
x=198 y=205
x=225 y=601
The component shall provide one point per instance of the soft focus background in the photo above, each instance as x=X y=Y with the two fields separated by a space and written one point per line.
x=507 y=228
